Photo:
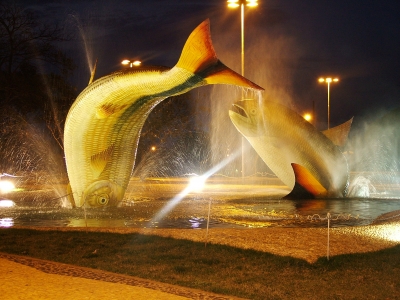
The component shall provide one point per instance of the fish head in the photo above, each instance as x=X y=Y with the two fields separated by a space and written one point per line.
x=103 y=193
x=246 y=115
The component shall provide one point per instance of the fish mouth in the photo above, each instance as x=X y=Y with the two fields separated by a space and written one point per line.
x=239 y=110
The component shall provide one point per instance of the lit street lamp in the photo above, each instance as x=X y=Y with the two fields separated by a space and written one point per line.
x=307 y=117
x=328 y=81
x=135 y=63
x=242 y=4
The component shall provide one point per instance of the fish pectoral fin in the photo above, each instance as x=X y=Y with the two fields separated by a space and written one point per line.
x=338 y=135
x=108 y=109
x=306 y=185
x=100 y=160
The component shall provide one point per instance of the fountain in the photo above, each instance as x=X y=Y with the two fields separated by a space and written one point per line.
x=308 y=161
x=254 y=201
x=103 y=126
x=159 y=193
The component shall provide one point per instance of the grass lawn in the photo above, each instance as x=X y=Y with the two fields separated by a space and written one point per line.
x=215 y=268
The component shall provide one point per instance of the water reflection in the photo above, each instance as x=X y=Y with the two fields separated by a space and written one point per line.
x=6 y=222
x=196 y=222
x=6 y=203
x=191 y=213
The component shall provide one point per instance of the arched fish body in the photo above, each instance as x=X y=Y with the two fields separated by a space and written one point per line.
x=305 y=159
x=103 y=125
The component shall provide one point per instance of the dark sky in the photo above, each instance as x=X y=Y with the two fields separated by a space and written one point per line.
x=289 y=45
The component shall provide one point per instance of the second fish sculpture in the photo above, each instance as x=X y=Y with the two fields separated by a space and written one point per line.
x=103 y=125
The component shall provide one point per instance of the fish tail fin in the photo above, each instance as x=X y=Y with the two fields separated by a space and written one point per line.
x=198 y=52
x=198 y=56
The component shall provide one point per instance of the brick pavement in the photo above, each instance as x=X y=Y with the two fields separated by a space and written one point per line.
x=29 y=278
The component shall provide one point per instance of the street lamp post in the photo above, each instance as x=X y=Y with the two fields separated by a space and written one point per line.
x=328 y=81
x=242 y=4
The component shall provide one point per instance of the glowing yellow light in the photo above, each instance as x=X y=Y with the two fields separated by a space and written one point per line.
x=233 y=3
x=307 y=117
x=328 y=79
x=153 y=148
x=135 y=63
x=197 y=183
x=6 y=186
x=237 y=3
x=251 y=3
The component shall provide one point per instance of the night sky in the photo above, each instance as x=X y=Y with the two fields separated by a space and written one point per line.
x=289 y=45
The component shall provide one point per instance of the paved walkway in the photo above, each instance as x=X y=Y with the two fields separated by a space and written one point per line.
x=28 y=278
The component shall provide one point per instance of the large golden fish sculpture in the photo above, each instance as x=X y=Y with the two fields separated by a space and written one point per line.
x=103 y=125
x=308 y=161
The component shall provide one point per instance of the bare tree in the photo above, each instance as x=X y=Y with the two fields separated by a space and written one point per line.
x=24 y=38
x=34 y=90
x=24 y=41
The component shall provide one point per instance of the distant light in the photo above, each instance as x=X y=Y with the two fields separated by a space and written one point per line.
x=251 y=3
x=197 y=183
x=233 y=3
x=307 y=117
x=6 y=186
x=153 y=148
x=328 y=79
x=237 y=3
x=7 y=203
x=135 y=63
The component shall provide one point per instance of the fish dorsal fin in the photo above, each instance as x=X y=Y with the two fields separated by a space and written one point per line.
x=198 y=52
x=338 y=135
x=305 y=180
x=100 y=160
x=93 y=73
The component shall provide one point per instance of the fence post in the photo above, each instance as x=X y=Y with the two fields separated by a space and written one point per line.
x=328 y=216
x=208 y=221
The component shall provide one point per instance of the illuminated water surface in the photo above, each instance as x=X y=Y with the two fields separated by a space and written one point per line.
x=234 y=204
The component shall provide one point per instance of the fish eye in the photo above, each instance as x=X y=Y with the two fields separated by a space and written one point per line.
x=102 y=199
x=253 y=111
